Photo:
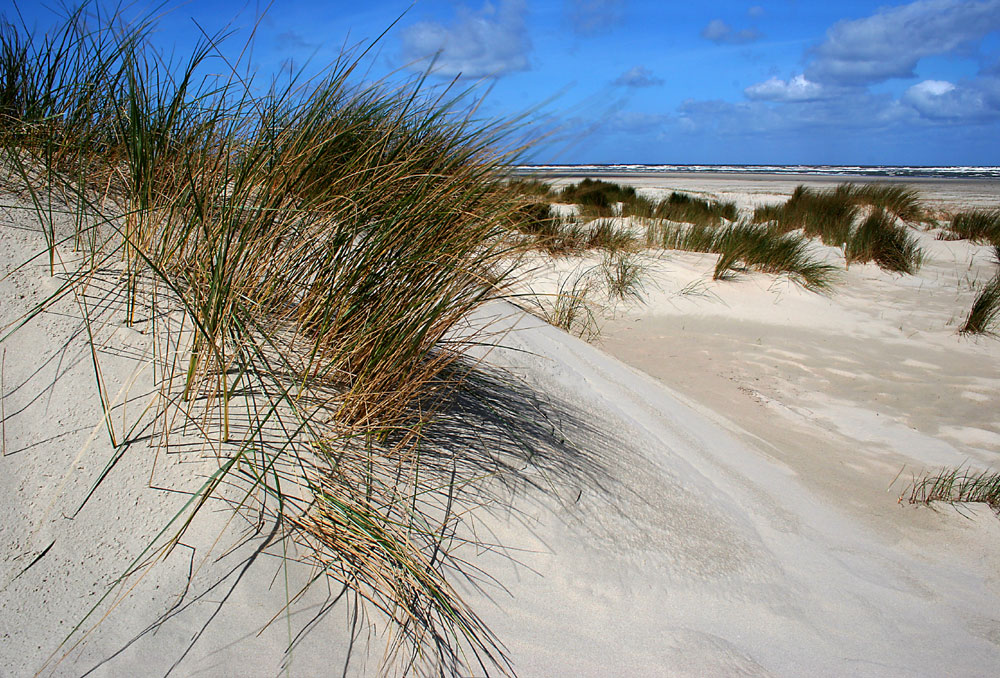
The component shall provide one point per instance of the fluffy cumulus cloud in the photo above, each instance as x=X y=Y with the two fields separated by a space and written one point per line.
x=945 y=101
x=594 y=16
x=721 y=33
x=795 y=89
x=640 y=76
x=889 y=43
x=485 y=43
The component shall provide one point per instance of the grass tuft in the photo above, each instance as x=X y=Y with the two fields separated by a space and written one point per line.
x=827 y=215
x=830 y=214
x=956 y=485
x=596 y=193
x=897 y=199
x=623 y=275
x=881 y=240
x=322 y=239
x=984 y=316
x=536 y=219
x=747 y=246
x=571 y=311
x=753 y=246
x=979 y=226
x=688 y=209
x=606 y=234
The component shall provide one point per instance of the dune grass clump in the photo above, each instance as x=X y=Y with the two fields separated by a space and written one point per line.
x=752 y=246
x=897 y=199
x=321 y=240
x=536 y=218
x=532 y=188
x=693 y=238
x=596 y=198
x=956 y=485
x=830 y=214
x=881 y=240
x=606 y=234
x=688 y=209
x=984 y=316
x=979 y=226
x=638 y=206
x=746 y=246
x=827 y=215
x=552 y=234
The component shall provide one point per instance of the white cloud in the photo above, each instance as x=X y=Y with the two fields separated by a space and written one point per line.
x=594 y=16
x=639 y=76
x=487 y=43
x=940 y=100
x=721 y=33
x=889 y=43
x=795 y=89
x=756 y=11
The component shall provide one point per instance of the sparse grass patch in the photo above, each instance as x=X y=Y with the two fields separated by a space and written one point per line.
x=985 y=312
x=571 y=310
x=956 y=485
x=623 y=275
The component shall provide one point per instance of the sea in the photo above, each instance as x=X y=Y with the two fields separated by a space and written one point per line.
x=963 y=172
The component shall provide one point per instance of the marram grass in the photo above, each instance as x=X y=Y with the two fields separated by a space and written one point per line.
x=956 y=485
x=755 y=247
x=861 y=219
x=981 y=226
x=322 y=239
x=747 y=246
x=881 y=240
x=984 y=315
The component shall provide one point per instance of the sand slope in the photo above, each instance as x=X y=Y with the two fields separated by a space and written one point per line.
x=706 y=556
x=645 y=533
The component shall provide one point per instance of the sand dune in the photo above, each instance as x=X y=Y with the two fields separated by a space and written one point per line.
x=704 y=492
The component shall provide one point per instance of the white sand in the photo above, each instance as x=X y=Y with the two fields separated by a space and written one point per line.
x=722 y=512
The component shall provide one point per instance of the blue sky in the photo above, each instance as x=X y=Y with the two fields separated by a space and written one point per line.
x=659 y=81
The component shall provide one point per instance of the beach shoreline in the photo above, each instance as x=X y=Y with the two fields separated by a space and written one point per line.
x=946 y=193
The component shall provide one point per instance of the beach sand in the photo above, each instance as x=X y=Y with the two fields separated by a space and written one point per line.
x=712 y=489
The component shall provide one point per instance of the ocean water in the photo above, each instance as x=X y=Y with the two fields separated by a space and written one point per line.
x=817 y=170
